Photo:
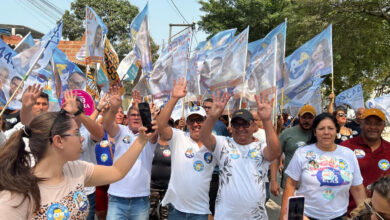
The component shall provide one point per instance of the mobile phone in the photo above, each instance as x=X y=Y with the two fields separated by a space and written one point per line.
x=146 y=116
x=296 y=206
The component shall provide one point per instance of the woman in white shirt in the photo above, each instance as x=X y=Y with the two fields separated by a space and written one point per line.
x=327 y=173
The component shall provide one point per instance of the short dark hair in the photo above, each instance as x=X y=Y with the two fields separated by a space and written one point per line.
x=382 y=186
x=317 y=121
x=208 y=100
x=44 y=96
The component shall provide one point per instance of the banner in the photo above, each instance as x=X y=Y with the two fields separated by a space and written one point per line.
x=26 y=43
x=128 y=67
x=140 y=40
x=382 y=103
x=96 y=30
x=312 y=60
x=352 y=97
x=170 y=66
x=110 y=65
x=219 y=39
x=9 y=77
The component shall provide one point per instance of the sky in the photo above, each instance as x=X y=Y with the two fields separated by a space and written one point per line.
x=161 y=14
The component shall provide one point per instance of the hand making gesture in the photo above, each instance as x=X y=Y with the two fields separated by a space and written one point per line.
x=31 y=95
x=179 y=88
x=264 y=107
x=219 y=103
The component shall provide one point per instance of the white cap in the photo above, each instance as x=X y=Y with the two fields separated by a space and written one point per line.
x=195 y=110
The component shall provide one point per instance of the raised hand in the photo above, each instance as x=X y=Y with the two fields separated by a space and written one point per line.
x=115 y=97
x=70 y=104
x=147 y=136
x=219 y=103
x=31 y=95
x=137 y=98
x=179 y=88
x=104 y=100
x=264 y=107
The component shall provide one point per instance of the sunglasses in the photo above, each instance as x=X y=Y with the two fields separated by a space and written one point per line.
x=237 y=125
x=341 y=115
x=372 y=211
x=207 y=107
x=197 y=120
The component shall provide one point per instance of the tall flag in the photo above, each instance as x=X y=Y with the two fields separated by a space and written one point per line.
x=199 y=55
x=352 y=97
x=128 y=67
x=110 y=65
x=312 y=60
x=140 y=40
x=9 y=77
x=170 y=66
x=224 y=67
x=96 y=30
x=26 y=43
x=382 y=103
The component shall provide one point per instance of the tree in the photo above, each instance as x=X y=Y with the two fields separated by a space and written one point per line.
x=116 y=15
x=361 y=39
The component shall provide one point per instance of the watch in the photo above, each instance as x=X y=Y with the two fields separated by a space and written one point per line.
x=81 y=110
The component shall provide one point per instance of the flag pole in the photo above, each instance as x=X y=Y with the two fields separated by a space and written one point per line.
x=228 y=109
x=244 y=72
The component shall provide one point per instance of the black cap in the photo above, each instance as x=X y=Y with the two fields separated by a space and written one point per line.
x=243 y=114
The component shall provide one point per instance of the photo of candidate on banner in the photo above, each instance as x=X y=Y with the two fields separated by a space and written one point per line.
x=352 y=97
x=9 y=77
x=26 y=43
x=96 y=30
x=382 y=103
x=311 y=60
x=170 y=66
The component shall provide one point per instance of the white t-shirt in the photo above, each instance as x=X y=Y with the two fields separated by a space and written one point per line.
x=260 y=135
x=243 y=170
x=191 y=170
x=136 y=183
x=326 y=178
x=88 y=154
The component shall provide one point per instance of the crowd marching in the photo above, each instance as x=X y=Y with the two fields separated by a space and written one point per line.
x=195 y=160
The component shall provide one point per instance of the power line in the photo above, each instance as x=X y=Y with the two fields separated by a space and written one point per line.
x=27 y=8
x=179 y=12
x=49 y=14
x=52 y=6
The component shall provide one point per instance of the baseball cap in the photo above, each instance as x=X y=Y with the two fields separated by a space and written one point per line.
x=307 y=109
x=243 y=114
x=195 y=110
x=374 y=112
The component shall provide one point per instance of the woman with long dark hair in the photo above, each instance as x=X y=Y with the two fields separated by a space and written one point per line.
x=327 y=172
x=53 y=188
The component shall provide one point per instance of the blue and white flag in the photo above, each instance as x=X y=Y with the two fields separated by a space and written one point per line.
x=140 y=41
x=382 y=103
x=312 y=60
x=26 y=43
x=96 y=30
x=352 y=97
x=310 y=95
x=128 y=67
x=9 y=77
x=219 y=39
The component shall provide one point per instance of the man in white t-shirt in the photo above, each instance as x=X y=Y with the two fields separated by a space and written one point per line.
x=192 y=164
x=243 y=162
x=129 y=197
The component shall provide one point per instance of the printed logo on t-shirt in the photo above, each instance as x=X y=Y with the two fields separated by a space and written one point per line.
x=126 y=139
x=189 y=153
x=103 y=157
x=57 y=212
x=166 y=153
x=198 y=165
x=301 y=144
x=208 y=157
x=328 y=194
x=313 y=165
x=104 y=143
x=342 y=164
x=80 y=200
x=384 y=164
x=359 y=153
x=355 y=132
x=234 y=154
x=213 y=132
x=253 y=153
x=310 y=155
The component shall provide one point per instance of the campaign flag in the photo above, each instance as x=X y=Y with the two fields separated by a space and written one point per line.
x=382 y=103
x=170 y=66
x=352 y=97
x=140 y=40
x=25 y=43
x=128 y=67
x=306 y=96
x=312 y=60
x=219 y=39
x=110 y=65
x=226 y=64
x=96 y=30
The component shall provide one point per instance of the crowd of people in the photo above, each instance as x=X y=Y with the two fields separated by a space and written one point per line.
x=205 y=165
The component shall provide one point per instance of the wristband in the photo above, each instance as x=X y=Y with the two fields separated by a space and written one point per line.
x=99 y=110
x=78 y=112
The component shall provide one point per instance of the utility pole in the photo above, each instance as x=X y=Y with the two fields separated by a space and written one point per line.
x=179 y=25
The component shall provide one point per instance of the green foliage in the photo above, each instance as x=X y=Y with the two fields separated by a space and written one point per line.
x=361 y=40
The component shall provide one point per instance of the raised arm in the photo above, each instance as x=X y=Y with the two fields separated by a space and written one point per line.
x=103 y=175
x=109 y=118
x=264 y=109
x=216 y=110
x=330 y=106
x=29 y=99
x=179 y=91
x=99 y=108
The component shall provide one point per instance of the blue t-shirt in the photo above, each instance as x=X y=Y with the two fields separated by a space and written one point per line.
x=220 y=129
x=102 y=150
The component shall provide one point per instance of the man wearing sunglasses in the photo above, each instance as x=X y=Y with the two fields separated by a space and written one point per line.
x=371 y=150
x=192 y=164
x=291 y=139
x=243 y=162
